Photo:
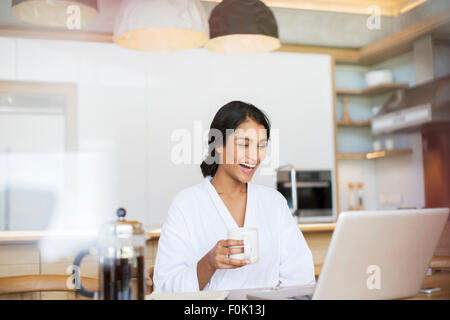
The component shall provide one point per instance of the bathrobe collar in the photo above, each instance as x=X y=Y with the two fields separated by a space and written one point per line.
x=222 y=208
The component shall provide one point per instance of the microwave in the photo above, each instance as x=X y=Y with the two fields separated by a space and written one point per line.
x=309 y=194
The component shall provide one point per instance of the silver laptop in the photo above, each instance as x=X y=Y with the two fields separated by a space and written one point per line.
x=374 y=255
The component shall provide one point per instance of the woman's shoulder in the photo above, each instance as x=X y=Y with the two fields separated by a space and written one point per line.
x=185 y=203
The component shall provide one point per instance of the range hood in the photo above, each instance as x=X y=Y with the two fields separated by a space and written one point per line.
x=409 y=109
x=428 y=101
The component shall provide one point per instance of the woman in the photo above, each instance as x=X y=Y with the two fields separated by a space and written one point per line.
x=193 y=250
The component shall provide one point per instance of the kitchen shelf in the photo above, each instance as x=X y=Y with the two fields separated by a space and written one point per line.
x=373 y=155
x=363 y=123
x=374 y=90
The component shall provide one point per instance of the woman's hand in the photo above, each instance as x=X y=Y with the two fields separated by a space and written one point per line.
x=218 y=257
x=149 y=280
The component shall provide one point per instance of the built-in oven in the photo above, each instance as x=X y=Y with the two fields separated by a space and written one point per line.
x=309 y=194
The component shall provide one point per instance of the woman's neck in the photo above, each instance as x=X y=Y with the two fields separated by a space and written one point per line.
x=224 y=183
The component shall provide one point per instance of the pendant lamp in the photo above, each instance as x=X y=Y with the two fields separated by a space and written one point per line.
x=242 y=26
x=161 y=25
x=54 y=13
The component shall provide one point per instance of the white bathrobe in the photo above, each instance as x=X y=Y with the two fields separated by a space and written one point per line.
x=198 y=218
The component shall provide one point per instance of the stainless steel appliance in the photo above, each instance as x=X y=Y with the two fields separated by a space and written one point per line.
x=428 y=101
x=121 y=252
x=309 y=194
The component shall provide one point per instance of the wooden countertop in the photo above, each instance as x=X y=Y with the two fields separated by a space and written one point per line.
x=30 y=236
x=316 y=227
x=438 y=280
x=304 y=227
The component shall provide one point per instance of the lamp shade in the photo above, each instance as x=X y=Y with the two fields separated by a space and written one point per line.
x=53 y=13
x=242 y=26
x=161 y=25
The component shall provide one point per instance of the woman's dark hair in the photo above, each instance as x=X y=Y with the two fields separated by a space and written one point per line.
x=230 y=116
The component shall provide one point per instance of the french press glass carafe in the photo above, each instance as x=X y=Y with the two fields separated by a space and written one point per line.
x=121 y=252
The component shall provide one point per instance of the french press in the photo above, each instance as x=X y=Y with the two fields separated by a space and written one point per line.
x=121 y=252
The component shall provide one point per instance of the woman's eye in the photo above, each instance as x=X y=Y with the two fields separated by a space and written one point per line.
x=263 y=146
x=242 y=145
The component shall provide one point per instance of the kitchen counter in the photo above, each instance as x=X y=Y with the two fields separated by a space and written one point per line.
x=304 y=227
x=20 y=251
x=153 y=233
x=440 y=280
x=31 y=236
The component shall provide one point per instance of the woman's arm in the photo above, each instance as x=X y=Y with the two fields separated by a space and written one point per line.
x=176 y=263
x=296 y=262
x=204 y=271
x=177 y=269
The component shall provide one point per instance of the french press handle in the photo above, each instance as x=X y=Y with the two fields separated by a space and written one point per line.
x=76 y=275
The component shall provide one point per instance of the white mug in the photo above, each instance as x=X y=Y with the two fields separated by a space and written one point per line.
x=250 y=237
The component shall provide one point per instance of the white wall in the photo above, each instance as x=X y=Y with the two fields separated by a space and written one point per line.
x=130 y=103
x=389 y=183
x=401 y=178
x=355 y=171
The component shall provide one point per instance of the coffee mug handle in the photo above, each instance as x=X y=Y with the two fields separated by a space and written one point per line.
x=247 y=247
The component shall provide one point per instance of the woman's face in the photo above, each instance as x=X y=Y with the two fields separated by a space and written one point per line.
x=244 y=151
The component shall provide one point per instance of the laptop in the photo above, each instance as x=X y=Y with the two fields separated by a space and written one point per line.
x=373 y=255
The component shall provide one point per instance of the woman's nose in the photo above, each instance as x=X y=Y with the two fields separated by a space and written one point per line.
x=252 y=155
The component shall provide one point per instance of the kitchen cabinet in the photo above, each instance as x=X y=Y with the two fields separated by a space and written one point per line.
x=8 y=58
x=21 y=254
x=436 y=164
x=436 y=167
x=131 y=103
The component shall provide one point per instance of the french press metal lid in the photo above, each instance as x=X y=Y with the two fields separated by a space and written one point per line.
x=122 y=227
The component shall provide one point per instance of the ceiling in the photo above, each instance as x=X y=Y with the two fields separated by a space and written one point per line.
x=296 y=25
x=387 y=7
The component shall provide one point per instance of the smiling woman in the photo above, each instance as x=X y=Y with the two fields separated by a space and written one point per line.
x=247 y=129
x=211 y=224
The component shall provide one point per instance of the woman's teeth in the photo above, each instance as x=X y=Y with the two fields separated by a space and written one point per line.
x=247 y=168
